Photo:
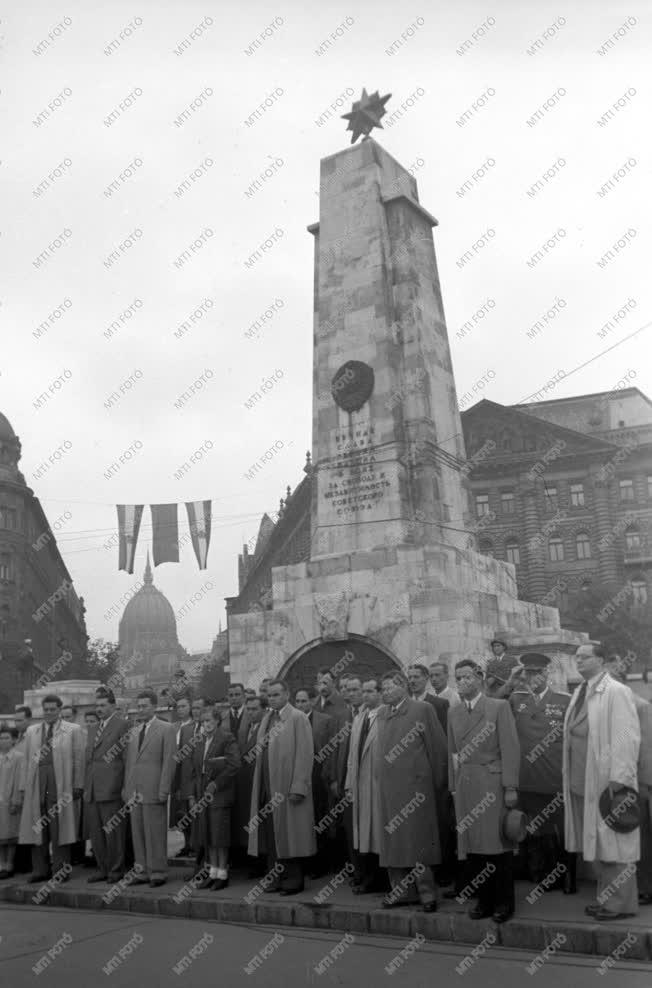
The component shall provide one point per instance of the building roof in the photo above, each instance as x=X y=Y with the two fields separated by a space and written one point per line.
x=620 y=393
x=577 y=441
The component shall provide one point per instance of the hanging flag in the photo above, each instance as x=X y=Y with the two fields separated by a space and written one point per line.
x=165 y=533
x=129 y=516
x=199 y=519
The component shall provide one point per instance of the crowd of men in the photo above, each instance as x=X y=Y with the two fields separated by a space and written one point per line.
x=403 y=784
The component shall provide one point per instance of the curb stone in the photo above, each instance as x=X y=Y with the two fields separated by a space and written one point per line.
x=582 y=938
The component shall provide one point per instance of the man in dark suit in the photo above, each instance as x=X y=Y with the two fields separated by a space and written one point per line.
x=238 y=722
x=304 y=700
x=330 y=702
x=420 y=689
x=333 y=705
x=103 y=781
x=244 y=782
x=148 y=780
x=188 y=733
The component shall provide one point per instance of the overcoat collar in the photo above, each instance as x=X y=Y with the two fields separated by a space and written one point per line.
x=469 y=721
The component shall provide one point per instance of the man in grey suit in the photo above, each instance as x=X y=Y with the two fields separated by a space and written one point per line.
x=148 y=780
x=103 y=782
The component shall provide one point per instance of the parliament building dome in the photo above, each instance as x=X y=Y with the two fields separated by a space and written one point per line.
x=147 y=637
x=149 y=612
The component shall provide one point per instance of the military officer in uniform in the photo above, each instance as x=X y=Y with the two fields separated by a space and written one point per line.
x=539 y=713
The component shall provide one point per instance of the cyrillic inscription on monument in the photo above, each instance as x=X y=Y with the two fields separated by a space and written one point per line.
x=356 y=484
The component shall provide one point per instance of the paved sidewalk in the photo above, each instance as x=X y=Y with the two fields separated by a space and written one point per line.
x=534 y=926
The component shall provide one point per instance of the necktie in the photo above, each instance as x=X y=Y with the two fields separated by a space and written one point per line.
x=469 y=706
x=364 y=731
x=98 y=733
x=141 y=736
x=46 y=743
x=581 y=697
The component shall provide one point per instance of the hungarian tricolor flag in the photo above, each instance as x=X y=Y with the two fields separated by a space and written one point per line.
x=199 y=520
x=129 y=516
x=165 y=533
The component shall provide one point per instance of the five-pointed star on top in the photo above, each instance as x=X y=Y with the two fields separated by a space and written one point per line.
x=366 y=114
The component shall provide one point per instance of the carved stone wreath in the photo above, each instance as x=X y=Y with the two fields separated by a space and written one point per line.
x=333 y=614
x=352 y=385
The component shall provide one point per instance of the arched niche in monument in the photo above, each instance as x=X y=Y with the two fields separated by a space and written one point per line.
x=355 y=654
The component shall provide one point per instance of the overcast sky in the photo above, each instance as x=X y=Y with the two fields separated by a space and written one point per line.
x=162 y=366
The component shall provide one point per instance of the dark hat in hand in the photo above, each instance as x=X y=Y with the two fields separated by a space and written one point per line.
x=620 y=810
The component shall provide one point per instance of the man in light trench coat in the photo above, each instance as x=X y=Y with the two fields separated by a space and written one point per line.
x=412 y=757
x=362 y=787
x=601 y=748
x=282 y=818
x=52 y=779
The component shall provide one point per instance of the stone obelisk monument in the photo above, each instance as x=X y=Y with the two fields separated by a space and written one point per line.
x=391 y=563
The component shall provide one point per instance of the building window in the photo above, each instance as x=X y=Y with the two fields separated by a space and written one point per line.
x=577 y=495
x=626 y=490
x=8 y=518
x=551 y=498
x=583 y=545
x=639 y=592
x=6 y=569
x=632 y=540
x=486 y=548
x=556 y=549
x=481 y=505
x=512 y=550
x=507 y=502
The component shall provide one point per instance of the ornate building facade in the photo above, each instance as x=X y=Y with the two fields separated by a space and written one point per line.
x=41 y=616
x=563 y=489
x=150 y=653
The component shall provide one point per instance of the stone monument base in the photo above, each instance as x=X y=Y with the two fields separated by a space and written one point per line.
x=407 y=603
